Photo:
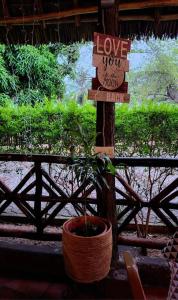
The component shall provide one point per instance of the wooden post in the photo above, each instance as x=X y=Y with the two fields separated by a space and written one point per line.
x=105 y=124
x=38 y=193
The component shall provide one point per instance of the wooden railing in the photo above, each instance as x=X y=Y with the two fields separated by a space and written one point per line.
x=49 y=192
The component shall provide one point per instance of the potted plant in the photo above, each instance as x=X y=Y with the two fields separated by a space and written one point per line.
x=87 y=240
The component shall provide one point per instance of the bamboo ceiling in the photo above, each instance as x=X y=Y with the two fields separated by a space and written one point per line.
x=43 y=21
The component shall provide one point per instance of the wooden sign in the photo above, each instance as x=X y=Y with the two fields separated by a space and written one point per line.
x=108 y=96
x=122 y=64
x=105 y=150
x=110 y=60
x=110 y=70
x=97 y=86
x=111 y=46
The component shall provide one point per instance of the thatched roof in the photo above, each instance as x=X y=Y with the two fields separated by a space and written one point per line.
x=42 y=21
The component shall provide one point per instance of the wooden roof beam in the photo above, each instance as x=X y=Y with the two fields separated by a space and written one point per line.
x=5 y=9
x=87 y=10
x=149 y=18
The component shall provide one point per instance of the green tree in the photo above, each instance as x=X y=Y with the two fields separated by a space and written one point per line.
x=28 y=73
x=157 y=78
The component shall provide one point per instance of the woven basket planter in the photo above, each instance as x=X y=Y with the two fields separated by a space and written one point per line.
x=87 y=259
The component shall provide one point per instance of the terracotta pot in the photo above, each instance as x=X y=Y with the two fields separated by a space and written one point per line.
x=87 y=259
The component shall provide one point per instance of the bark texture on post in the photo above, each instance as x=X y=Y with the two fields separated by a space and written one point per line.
x=105 y=125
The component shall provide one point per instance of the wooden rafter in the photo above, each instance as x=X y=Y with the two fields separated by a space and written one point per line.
x=5 y=9
x=77 y=18
x=137 y=5
x=149 y=18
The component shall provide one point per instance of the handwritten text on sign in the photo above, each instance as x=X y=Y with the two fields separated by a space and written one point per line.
x=108 y=96
x=111 y=46
x=110 y=58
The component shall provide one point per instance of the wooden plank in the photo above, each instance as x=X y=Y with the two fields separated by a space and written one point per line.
x=151 y=243
x=133 y=277
x=108 y=96
x=105 y=150
x=122 y=64
x=136 y=5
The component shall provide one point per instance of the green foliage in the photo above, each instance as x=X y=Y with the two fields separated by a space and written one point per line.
x=157 y=78
x=69 y=129
x=29 y=74
x=93 y=168
x=147 y=130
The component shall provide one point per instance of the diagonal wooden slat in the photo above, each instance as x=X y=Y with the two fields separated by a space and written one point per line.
x=5 y=205
x=165 y=192
x=169 y=198
x=79 y=208
x=24 y=210
x=91 y=209
x=55 y=186
x=128 y=188
x=124 y=195
x=28 y=188
x=49 y=189
x=123 y=212
x=127 y=220
x=171 y=215
x=80 y=189
x=53 y=214
x=47 y=208
x=24 y=180
x=4 y=187
x=163 y=218
x=2 y=195
x=87 y=192
x=29 y=208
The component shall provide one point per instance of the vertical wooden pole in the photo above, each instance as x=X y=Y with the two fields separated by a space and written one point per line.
x=105 y=125
x=38 y=193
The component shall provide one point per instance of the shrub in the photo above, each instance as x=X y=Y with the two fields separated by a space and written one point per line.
x=64 y=128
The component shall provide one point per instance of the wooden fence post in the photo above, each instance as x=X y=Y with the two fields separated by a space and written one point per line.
x=38 y=193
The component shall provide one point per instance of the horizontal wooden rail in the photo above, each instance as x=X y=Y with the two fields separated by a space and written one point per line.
x=153 y=243
x=118 y=161
x=24 y=232
x=122 y=18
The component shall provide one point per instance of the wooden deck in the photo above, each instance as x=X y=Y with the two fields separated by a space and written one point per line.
x=37 y=272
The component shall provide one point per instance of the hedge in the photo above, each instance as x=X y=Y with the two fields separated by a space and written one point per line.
x=149 y=129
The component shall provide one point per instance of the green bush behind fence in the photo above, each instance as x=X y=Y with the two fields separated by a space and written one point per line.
x=149 y=129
